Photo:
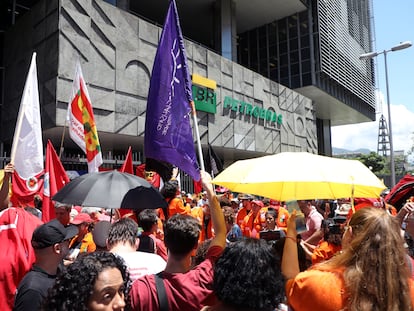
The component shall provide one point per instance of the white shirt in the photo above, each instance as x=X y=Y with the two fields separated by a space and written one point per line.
x=141 y=263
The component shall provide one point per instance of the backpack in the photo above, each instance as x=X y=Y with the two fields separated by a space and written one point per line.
x=146 y=244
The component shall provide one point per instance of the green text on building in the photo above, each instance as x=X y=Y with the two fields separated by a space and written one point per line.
x=250 y=110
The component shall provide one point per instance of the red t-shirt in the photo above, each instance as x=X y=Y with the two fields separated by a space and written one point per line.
x=185 y=291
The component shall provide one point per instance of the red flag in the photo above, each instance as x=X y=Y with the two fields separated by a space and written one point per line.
x=55 y=179
x=27 y=148
x=128 y=167
x=24 y=190
x=198 y=187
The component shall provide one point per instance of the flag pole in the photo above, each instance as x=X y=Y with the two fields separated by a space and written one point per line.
x=62 y=139
x=200 y=151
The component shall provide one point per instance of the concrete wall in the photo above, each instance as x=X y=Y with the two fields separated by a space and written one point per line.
x=116 y=51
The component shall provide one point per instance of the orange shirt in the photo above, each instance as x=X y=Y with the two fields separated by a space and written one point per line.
x=320 y=290
x=87 y=245
x=251 y=226
x=323 y=251
x=282 y=218
x=176 y=206
x=240 y=216
x=206 y=233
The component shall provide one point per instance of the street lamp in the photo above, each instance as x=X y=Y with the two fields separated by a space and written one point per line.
x=401 y=46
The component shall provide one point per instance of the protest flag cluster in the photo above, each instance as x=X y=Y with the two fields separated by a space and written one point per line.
x=168 y=133
x=30 y=177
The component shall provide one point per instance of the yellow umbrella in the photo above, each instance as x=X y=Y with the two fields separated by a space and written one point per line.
x=301 y=176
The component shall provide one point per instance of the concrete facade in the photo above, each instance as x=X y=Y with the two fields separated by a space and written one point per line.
x=116 y=51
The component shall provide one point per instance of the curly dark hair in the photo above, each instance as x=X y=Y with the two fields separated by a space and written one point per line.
x=247 y=277
x=74 y=285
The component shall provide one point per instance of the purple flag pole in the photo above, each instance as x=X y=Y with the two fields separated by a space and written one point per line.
x=168 y=133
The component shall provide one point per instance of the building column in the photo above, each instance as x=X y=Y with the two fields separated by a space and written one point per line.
x=226 y=37
x=323 y=128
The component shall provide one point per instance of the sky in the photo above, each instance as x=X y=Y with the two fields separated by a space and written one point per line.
x=394 y=23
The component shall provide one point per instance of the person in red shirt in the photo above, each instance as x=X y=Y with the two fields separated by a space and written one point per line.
x=185 y=289
x=148 y=221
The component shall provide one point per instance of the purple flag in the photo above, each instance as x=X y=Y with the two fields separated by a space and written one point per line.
x=168 y=133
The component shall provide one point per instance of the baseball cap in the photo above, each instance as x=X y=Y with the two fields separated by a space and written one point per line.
x=274 y=203
x=51 y=233
x=258 y=203
x=81 y=218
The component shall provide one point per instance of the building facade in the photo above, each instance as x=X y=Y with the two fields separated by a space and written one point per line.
x=267 y=78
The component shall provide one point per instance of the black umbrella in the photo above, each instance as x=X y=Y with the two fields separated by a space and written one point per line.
x=111 y=189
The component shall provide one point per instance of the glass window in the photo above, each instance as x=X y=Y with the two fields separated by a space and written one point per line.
x=306 y=79
x=295 y=82
x=294 y=69
x=306 y=66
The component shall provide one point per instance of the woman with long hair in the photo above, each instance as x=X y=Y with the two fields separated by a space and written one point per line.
x=371 y=273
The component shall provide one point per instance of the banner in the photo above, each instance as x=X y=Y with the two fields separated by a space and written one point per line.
x=82 y=127
x=27 y=147
x=168 y=133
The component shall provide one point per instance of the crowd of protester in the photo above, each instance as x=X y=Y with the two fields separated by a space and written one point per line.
x=214 y=251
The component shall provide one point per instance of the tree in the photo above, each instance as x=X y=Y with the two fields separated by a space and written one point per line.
x=373 y=161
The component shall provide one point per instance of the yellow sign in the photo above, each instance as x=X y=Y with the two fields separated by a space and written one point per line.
x=199 y=80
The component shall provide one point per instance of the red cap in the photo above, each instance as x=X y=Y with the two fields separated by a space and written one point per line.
x=81 y=218
x=274 y=203
x=258 y=203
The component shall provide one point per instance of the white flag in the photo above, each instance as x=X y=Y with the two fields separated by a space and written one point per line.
x=27 y=148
